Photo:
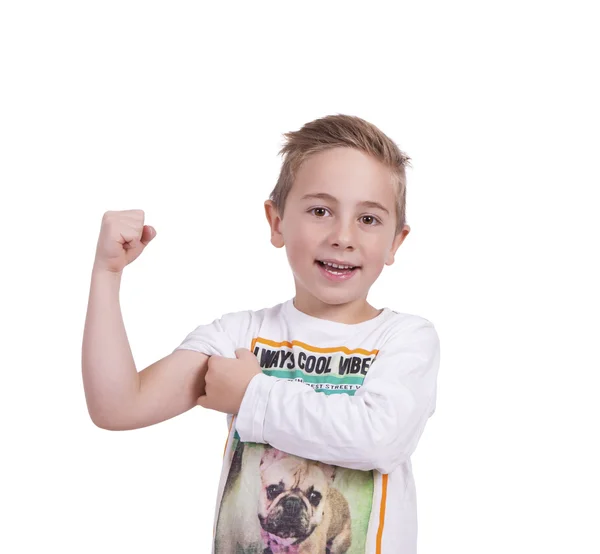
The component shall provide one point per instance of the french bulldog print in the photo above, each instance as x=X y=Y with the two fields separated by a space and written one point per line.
x=300 y=511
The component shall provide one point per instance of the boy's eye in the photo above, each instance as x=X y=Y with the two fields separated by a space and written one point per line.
x=373 y=220
x=314 y=210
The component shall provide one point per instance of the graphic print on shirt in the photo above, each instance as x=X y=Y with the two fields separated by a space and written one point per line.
x=274 y=502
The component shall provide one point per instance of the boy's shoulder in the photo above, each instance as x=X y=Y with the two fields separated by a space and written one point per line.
x=407 y=319
x=253 y=314
x=399 y=328
x=411 y=334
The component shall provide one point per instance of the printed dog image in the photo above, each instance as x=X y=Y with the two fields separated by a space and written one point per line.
x=300 y=511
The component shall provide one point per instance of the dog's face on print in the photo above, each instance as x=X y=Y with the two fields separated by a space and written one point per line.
x=294 y=493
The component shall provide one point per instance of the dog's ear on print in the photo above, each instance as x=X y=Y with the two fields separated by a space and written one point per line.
x=270 y=455
x=328 y=470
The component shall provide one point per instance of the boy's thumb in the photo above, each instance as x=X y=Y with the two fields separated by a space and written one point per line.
x=148 y=233
x=243 y=353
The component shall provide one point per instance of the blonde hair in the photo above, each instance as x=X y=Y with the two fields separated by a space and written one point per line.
x=335 y=131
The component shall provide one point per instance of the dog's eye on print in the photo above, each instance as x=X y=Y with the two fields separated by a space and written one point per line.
x=274 y=490
x=314 y=497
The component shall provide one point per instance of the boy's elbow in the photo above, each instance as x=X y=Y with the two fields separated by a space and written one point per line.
x=390 y=450
x=99 y=423
x=385 y=458
x=375 y=453
x=388 y=454
x=108 y=424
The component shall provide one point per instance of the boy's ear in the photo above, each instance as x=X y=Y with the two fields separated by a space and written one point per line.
x=398 y=240
x=275 y=224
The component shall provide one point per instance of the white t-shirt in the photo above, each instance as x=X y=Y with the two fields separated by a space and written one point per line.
x=342 y=407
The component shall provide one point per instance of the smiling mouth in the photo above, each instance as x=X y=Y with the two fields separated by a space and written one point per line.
x=337 y=270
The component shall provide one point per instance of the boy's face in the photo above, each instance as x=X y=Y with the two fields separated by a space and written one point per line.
x=342 y=207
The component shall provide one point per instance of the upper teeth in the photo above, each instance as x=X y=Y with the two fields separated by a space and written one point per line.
x=338 y=266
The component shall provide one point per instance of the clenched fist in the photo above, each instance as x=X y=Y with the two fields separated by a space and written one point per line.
x=123 y=237
x=227 y=379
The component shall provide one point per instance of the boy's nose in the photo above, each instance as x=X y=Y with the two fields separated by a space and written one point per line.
x=342 y=235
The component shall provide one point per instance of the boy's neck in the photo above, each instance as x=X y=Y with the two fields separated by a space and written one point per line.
x=350 y=313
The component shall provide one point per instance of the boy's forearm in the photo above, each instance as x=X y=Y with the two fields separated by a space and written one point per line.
x=352 y=432
x=376 y=428
x=110 y=378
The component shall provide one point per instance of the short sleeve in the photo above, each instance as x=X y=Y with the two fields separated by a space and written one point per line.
x=222 y=337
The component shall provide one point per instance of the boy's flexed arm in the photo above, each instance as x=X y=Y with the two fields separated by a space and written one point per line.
x=377 y=428
x=118 y=396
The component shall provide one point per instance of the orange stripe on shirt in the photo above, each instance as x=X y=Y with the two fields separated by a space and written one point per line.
x=344 y=349
x=381 y=512
x=228 y=433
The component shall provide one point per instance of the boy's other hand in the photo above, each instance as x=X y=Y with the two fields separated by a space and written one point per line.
x=227 y=379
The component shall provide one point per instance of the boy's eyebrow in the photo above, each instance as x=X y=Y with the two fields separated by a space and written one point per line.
x=326 y=196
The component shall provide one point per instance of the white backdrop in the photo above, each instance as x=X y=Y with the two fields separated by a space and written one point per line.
x=178 y=108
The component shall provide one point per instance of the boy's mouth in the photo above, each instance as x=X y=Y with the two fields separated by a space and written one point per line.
x=337 y=269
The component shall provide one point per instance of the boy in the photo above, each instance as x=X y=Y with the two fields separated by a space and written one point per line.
x=326 y=396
